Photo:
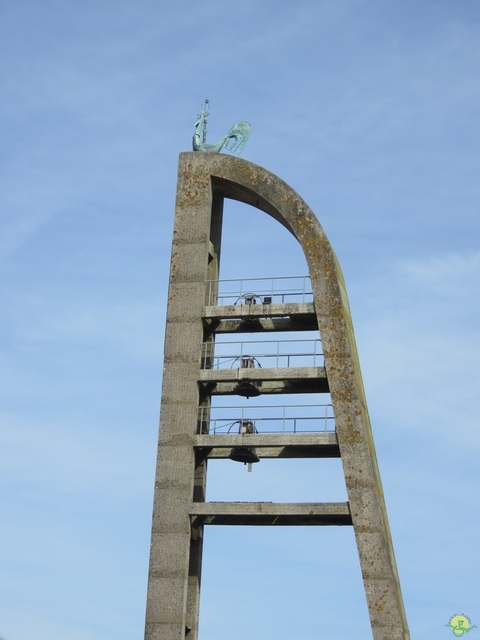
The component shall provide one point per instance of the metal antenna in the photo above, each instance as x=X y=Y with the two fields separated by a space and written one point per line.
x=204 y=131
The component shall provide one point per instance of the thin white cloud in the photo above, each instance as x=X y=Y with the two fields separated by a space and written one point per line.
x=419 y=342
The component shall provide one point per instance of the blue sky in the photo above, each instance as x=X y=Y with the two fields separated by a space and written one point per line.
x=369 y=110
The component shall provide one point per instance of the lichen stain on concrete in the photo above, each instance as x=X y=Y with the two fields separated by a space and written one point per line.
x=248 y=173
x=380 y=603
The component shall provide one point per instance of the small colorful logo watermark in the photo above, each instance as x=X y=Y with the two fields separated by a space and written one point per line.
x=460 y=624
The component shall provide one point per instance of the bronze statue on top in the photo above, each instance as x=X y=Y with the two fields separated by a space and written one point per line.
x=234 y=141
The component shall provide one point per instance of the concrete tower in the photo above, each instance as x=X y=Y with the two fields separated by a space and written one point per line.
x=192 y=379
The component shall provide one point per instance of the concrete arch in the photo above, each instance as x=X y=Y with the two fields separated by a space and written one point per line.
x=209 y=179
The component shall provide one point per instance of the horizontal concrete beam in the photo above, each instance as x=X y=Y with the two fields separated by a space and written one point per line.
x=314 y=385
x=259 y=310
x=267 y=440
x=218 y=382
x=278 y=452
x=270 y=513
x=297 y=445
x=300 y=322
x=263 y=374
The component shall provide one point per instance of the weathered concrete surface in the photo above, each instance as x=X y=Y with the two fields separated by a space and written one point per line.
x=264 y=373
x=272 y=445
x=250 y=311
x=272 y=513
x=268 y=440
x=173 y=586
x=204 y=180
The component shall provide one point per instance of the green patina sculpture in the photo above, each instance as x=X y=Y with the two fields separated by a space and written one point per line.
x=234 y=141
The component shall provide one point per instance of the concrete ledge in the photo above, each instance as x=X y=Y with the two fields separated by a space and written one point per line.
x=298 y=322
x=270 y=513
x=260 y=310
x=263 y=373
x=268 y=440
x=294 y=445
x=269 y=381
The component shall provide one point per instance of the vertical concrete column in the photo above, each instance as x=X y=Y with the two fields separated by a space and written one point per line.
x=171 y=544
x=200 y=477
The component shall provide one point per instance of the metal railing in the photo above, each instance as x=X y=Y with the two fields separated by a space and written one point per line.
x=262 y=353
x=259 y=291
x=267 y=419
